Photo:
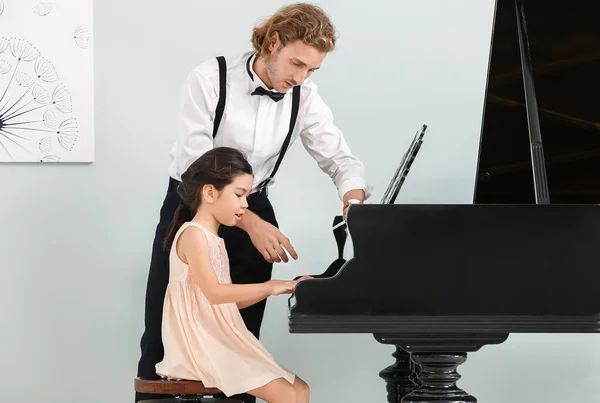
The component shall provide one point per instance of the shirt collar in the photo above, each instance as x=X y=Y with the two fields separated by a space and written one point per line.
x=254 y=78
x=252 y=74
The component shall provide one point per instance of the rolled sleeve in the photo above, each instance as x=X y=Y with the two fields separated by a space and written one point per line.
x=327 y=146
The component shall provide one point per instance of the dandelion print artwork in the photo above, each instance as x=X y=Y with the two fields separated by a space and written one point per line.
x=43 y=8
x=46 y=81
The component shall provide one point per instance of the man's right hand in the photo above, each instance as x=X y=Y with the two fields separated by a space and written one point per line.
x=270 y=242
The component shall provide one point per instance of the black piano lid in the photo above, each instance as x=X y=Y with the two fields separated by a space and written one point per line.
x=564 y=47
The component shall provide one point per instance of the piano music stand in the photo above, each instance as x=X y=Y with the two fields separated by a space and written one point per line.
x=389 y=197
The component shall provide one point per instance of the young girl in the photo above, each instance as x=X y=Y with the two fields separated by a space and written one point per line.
x=204 y=336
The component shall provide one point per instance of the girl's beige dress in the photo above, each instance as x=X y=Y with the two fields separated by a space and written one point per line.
x=206 y=342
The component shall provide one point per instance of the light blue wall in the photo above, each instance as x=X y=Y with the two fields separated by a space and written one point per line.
x=76 y=239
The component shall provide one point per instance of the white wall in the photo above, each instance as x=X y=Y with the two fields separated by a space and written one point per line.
x=76 y=239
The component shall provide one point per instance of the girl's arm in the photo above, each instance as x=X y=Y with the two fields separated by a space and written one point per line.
x=248 y=302
x=192 y=248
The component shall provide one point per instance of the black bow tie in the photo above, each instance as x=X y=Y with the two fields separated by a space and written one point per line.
x=275 y=96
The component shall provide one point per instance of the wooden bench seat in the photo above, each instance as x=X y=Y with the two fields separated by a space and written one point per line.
x=183 y=391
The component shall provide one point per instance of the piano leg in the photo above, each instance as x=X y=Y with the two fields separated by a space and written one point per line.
x=399 y=377
x=439 y=377
x=438 y=357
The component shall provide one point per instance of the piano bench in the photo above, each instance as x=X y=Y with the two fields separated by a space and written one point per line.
x=182 y=391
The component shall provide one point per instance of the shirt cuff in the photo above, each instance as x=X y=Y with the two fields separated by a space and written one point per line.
x=354 y=183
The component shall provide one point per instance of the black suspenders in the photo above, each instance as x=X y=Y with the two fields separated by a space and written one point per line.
x=222 y=94
x=286 y=142
x=221 y=108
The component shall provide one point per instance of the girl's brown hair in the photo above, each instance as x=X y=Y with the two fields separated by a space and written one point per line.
x=217 y=167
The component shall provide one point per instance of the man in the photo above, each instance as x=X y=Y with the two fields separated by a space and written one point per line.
x=259 y=102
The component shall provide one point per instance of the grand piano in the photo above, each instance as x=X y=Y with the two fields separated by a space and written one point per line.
x=441 y=281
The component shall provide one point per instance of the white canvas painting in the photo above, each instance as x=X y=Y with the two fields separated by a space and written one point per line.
x=46 y=81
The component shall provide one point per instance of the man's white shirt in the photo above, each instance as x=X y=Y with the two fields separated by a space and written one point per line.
x=257 y=125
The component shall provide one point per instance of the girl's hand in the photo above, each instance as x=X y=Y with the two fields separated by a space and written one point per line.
x=278 y=287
